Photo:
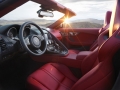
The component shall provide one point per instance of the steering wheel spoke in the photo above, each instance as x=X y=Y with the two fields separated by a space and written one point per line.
x=38 y=51
x=27 y=41
x=41 y=37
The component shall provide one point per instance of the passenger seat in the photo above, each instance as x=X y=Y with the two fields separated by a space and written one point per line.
x=95 y=44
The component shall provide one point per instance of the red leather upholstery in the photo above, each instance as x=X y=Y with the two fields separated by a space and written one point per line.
x=83 y=54
x=52 y=76
x=105 y=27
x=89 y=62
x=71 y=51
x=107 y=18
x=98 y=78
x=101 y=40
x=97 y=71
x=108 y=48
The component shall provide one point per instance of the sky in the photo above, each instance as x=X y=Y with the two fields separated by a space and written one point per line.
x=83 y=8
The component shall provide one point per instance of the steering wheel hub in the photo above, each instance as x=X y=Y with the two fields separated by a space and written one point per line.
x=35 y=42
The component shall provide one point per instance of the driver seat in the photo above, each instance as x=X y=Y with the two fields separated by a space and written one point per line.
x=97 y=71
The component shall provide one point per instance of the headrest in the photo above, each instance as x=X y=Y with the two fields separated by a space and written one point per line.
x=107 y=18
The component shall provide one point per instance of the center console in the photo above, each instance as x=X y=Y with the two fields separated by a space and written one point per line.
x=72 y=60
x=54 y=46
x=81 y=55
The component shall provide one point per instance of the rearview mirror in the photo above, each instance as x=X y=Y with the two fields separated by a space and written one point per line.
x=45 y=13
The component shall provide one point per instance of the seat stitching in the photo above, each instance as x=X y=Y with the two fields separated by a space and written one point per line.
x=63 y=74
x=54 y=78
x=40 y=83
x=61 y=82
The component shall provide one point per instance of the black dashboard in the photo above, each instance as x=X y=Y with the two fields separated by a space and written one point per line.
x=10 y=42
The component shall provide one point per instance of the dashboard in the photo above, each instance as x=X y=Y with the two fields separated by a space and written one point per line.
x=13 y=32
x=54 y=45
x=10 y=42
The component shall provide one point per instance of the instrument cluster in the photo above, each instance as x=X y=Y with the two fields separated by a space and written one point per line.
x=13 y=32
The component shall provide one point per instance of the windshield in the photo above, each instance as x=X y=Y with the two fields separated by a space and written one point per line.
x=28 y=12
x=89 y=13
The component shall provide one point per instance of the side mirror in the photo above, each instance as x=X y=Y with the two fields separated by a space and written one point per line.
x=45 y=13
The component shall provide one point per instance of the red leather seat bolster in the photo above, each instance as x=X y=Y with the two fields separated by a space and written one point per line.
x=107 y=17
x=99 y=78
x=109 y=47
x=89 y=62
x=52 y=76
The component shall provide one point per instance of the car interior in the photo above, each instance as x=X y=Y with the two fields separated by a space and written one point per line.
x=94 y=45
x=35 y=58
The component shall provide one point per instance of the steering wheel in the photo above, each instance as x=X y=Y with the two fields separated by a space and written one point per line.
x=33 y=43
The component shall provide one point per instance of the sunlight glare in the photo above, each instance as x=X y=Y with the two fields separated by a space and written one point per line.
x=66 y=21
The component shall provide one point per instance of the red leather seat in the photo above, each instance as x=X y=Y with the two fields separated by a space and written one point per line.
x=52 y=76
x=95 y=44
x=97 y=70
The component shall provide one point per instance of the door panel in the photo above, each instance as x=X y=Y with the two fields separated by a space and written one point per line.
x=56 y=33
x=82 y=37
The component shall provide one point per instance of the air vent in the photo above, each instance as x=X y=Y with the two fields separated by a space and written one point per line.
x=2 y=44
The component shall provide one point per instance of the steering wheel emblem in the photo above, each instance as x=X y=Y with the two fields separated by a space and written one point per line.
x=36 y=41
